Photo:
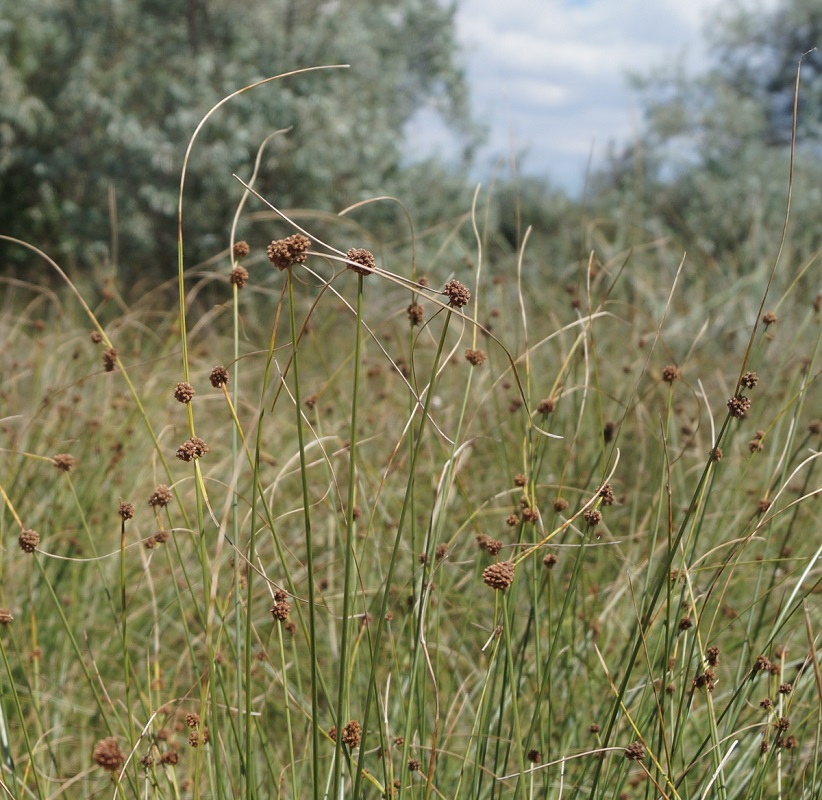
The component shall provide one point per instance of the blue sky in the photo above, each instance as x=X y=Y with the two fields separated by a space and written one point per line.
x=548 y=77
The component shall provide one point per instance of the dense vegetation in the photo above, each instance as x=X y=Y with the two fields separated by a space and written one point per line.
x=480 y=511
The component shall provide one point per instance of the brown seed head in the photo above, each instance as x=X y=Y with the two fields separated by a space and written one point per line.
x=415 y=313
x=458 y=294
x=160 y=497
x=5 y=616
x=192 y=448
x=499 y=576
x=635 y=751
x=670 y=373
x=535 y=756
x=364 y=262
x=193 y=720
x=218 y=377
x=64 y=462
x=593 y=516
x=238 y=276
x=280 y=610
x=712 y=655
x=749 y=380
x=109 y=359
x=520 y=480
x=169 y=758
x=352 y=733
x=560 y=504
x=414 y=765
x=607 y=495
x=738 y=406
x=815 y=427
x=550 y=561
x=441 y=551
x=183 y=392
x=28 y=540
x=608 y=431
x=108 y=755
x=284 y=253
x=241 y=249
x=96 y=337
x=476 y=358
x=685 y=623
x=768 y=318
x=785 y=688
x=546 y=406
x=594 y=728
x=125 y=510
x=762 y=664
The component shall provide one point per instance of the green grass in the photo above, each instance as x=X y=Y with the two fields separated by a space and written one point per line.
x=362 y=471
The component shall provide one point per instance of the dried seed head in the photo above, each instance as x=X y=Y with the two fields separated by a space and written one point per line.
x=712 y=655
x=241 y=249
x=491 y=546
x=550 y=561
x=280 y=610
x=607 y=495
x=593 y=516
x=530 y=515
x=768 y=318
x=441 y=551
x=762 y=664
x=109 y=359
x=192 y=448
x=749 y=380
x=535 y=756
x=594 y=728
x=28 y=540
x=512 y=520
x=125 y=510
x=364 y=262
x=96 y=337
x=635 y=751
x=520 y=480
x=193 y=720
x=716 y=454
x=499 y=576
x=160 y=497
x=238 y=276
x=608 y=431
x=788 y=743
x=458 y=294
x=738 y=406
x=414 y=765
x=546 y=406
x=218 y=377
x=670 y=373
x=64 y=462
x=183 y=392
x=560 y=504
x=169 y=758
x=352 y=733
x=108 y=755
x=766 y=703
x=5 y=616
x=685 y=623
x=783 y=723
x=415 y=313
x=476 y=358
x=785 y=688
x=284 y=253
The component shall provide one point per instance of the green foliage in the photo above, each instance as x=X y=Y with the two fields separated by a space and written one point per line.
x=98 y=101
x=711 y=167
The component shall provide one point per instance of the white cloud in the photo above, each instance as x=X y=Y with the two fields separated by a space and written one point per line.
x=549 y=76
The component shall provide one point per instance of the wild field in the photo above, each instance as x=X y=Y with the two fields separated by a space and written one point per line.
x=423 y=518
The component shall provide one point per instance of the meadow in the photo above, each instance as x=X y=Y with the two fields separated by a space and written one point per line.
x=343 y=517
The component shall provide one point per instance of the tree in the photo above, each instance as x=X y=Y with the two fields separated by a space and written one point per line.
x=714 y=151
x=98 y=100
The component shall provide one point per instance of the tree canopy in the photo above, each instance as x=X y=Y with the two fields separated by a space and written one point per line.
x=98 y=99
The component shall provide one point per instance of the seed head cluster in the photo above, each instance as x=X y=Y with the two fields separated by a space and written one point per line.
x=238 y=276
x=491 y=546
x=457 y=293
x=284 y=253
x=64 y=462
x=475 y=358
x=670 y=373
x=192 y=448
x=738 y=406
x=218 y=377
x=28 y=540
x=109 y=359
x=125 y=510
x=364 y=261
x=183 y=392
x=108 y=755
x=352 y=733
x=499 y=576
x=415 y=313
x=160 y=497
x=635 y=751
x=241 y=249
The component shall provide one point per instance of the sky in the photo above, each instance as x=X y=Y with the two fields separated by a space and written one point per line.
x=548 y=77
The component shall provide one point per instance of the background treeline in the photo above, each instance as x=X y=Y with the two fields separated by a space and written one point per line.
x=98 y=100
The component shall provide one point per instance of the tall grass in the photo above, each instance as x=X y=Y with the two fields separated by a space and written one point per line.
x=412 y=544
